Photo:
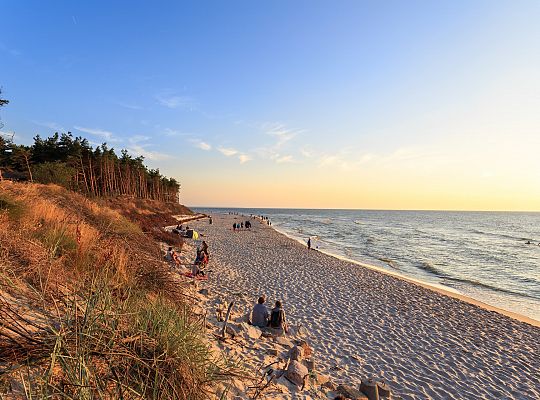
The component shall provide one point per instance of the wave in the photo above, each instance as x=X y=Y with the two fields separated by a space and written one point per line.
x=435 y=271
x=388 y=261
x=500 y=235
x=432 y=269
x=357 y=221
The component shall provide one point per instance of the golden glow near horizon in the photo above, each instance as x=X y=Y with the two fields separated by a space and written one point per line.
x=469 y=171
x=360 y=105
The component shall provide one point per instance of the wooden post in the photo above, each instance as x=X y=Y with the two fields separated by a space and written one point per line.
x=226 y=320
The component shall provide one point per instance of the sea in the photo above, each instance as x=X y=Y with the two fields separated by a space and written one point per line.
x=493 y=257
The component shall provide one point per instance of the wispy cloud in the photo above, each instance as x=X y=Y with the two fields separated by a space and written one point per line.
x=229 y=152
x=347 y=159
x=284 y=159
x=282 y=134
x=129 y=106
x=51 y=125
x=107 y=135
x=138 y=148
x=139 y=138
x=174 y=101
x=170 y=132
x=307 y=152
x=244 y=158
x=201 y=144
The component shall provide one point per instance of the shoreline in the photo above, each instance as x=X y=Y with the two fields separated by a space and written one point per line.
x=364 y=322
x=434 y=287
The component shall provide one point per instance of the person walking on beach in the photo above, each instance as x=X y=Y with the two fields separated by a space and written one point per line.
x=277 y=319
x=260 y=314
x=309 y=244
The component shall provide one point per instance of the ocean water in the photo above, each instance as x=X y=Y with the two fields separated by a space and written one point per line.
x=483 y=255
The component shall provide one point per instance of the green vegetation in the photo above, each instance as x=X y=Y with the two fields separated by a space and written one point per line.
x=14 y=209
x=88 y=309
x=72 y=163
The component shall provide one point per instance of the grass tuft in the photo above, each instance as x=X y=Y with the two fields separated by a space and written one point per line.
x=88 y=308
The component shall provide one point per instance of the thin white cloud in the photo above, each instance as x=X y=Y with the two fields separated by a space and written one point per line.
x=129 y=105
x=284 y=159
x=51 y=125
x=201 y=145
x=107 y=135
x=171 y=132
x=173 y=101
x=327 y=160
x=229 y=152
x=244 y=158
x=307 y=152
x=343 y=160
x=139 y=138
x=138 y=150
x=282 y=134
x=6 y=134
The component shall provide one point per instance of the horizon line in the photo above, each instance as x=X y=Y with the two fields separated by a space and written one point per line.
x=365 y=209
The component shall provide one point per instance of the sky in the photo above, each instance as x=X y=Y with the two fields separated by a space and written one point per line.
x=301 y=104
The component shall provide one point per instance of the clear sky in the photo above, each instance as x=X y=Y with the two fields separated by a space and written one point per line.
x=335 y=104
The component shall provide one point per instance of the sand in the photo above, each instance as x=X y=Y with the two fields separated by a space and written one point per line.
x=362 y=322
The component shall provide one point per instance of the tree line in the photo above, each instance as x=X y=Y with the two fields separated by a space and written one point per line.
x=73 y=163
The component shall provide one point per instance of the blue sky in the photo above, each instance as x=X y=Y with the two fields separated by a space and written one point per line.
x=291 y=103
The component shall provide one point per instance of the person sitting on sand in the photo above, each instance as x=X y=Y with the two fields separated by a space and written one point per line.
x=204 y=247
x=172 y=257
x=201 y=257
x=277 y=318
x=201 y=260
x=260 y=315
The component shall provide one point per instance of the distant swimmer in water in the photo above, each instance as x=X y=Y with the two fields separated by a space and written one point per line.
x=528 y=242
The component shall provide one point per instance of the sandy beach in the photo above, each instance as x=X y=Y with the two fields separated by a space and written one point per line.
x=364 y=323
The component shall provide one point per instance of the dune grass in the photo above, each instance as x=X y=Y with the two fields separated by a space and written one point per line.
x=87 y=307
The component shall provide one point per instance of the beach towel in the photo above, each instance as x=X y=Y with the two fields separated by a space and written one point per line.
x=198 y=277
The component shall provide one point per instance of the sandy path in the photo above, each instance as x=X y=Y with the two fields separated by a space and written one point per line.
x=427 y=345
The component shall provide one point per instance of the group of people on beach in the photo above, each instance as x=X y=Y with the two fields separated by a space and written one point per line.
x=265 y=219
x=240 y=225
x=201 y=259
x=274 y=320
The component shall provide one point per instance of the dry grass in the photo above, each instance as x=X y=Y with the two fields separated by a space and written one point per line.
x=87 y=307
x=150 y=216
